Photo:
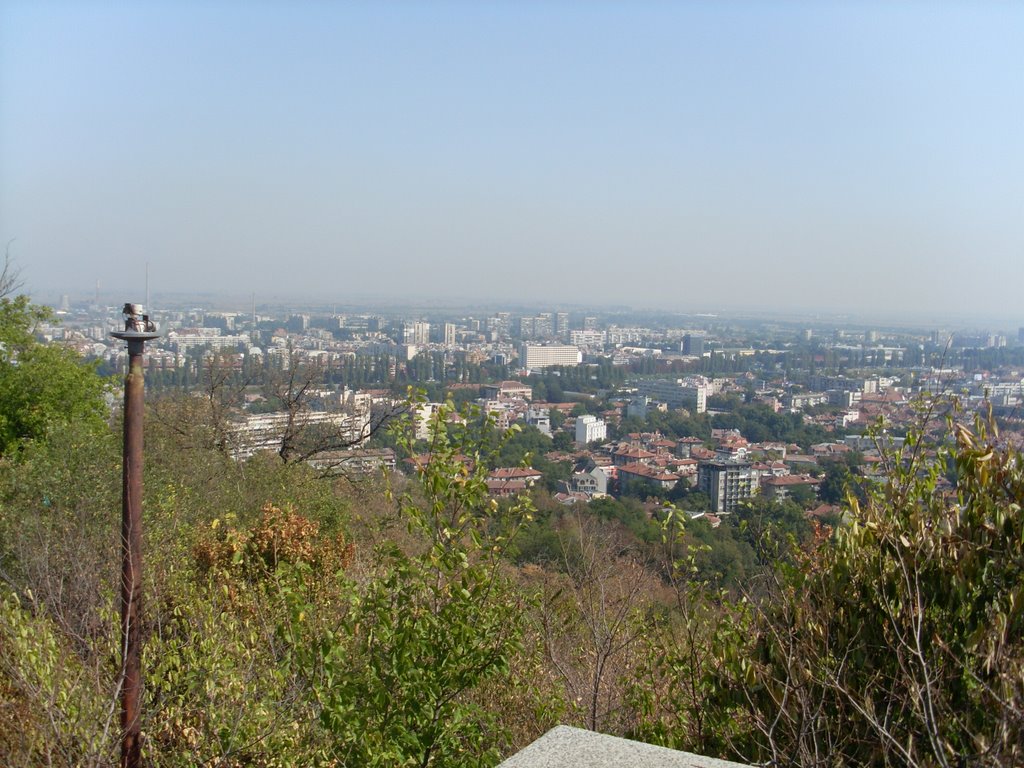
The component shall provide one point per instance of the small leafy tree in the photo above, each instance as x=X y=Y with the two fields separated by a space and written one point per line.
x=41 y=385
x=395 y=680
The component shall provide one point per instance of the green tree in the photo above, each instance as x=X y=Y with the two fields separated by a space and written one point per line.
x=840 y=481
x=41 y=385
x=904 y=634
x=562 y=441
x=395 y=684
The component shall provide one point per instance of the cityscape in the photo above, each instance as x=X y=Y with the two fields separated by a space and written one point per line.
x=853 y=384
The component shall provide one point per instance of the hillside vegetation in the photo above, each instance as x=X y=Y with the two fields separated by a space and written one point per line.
x=293 y=619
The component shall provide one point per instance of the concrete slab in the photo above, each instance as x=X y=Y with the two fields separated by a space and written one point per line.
x=566 y=747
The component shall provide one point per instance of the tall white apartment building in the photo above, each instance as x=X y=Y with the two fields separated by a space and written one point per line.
x=416 y=332
x=589 y=429
x=545 y=355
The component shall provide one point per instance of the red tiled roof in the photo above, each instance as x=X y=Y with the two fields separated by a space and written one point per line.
x=791 y=480
x=514 y=473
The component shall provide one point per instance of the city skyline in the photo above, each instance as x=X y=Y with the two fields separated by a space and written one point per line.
x=684 y=157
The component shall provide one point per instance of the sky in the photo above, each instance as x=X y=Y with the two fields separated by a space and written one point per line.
x=817 y=156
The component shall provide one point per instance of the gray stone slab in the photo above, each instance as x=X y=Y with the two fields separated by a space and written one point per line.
x=566 y=747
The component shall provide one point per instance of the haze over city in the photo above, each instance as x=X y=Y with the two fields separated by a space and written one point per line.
x=835 y=157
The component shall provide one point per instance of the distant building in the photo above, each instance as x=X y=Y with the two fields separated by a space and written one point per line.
x=637 y=408
x=539 y=418
x=593 y=482
x=423 y=415
x=540 y=326
x=449 y=334
x=298 y=323
x=562 y=325
x=508 y=390
x=677 y=393
x=588 y=338
x=184 y=339
x=415 y=333
x=693 y=344
x=590 y=429
x=779 y=488
x=656 y=479
x=363 y=461
x=544 y=356
x=726 y=483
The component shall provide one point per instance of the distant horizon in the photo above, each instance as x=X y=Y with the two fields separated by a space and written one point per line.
x=821 y=157
x=411 y=306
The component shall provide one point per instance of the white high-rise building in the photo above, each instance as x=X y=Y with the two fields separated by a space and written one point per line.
x=416 y=332
x=546 y=355
x=589 y=429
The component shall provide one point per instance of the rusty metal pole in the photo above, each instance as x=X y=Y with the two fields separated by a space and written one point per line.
x=138 y=330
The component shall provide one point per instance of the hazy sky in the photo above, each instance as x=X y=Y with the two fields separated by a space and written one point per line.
x=683 y=155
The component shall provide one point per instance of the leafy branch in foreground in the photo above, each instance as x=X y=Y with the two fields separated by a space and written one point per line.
x=902 y=641
x=395 y=680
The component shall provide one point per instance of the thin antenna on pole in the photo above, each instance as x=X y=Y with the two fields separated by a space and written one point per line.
x=148 y=305
x=254 y=310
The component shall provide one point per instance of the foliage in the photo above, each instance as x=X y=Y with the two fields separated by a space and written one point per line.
x=592 y=619
x=903 y=640
x=282 y=536
x=54 y=711
x=298 y=620
x=681 y=693
x=41 y=385
x=395 y=683
x=841 y=480
x=759 y=423
x=774 y=530
x=219 y=690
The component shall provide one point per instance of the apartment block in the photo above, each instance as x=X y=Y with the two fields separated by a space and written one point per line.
x=726 y=483
x=546 y=355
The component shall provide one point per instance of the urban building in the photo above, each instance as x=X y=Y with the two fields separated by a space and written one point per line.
x=677 y=393
x=726 y=483
x=183 y=340
x=415 y=333
x=546 y=355
x=562 y=325
x=539 y=418
x=588 y=338
x=590 y=429
x=637 y=408
x=693 y=344
x=508 y=390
